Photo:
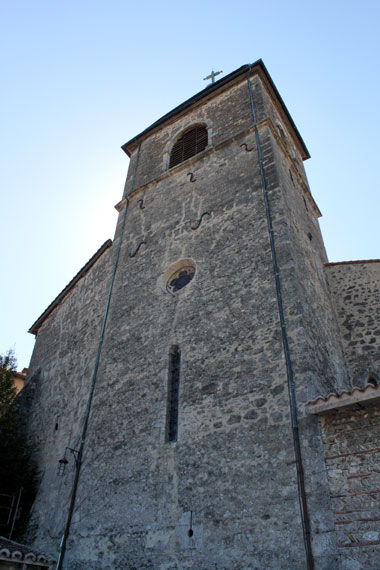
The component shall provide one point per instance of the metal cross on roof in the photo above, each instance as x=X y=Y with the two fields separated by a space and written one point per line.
x=212 y=76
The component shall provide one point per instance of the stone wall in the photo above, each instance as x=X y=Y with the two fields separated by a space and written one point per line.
x=356 y=292
x=55 y=395
x=314 y=337
x=351 y=439
x=224 y=495
x=314 y=333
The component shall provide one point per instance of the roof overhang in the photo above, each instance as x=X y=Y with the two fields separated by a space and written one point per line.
x=257 y=68
x=359 y=397
x=354 y=262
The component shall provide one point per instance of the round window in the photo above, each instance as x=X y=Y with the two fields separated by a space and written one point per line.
x=179 y=275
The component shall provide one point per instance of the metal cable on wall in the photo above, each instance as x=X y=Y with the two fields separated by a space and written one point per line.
x=285 y=343
x=78 y=462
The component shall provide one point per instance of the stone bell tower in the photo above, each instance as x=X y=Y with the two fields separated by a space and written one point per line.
x=199 y=453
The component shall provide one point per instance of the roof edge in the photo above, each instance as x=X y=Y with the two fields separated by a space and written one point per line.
x=35 y=326
x=329 y=264
x=21 y=375
x=369 y=394
x=26 y=555
x=257 y=66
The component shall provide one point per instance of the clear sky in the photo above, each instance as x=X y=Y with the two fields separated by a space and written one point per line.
x=81 y=77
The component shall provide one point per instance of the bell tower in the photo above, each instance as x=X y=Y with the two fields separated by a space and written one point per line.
x=222 y=255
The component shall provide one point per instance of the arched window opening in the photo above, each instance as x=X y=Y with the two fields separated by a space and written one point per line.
x=189 y=144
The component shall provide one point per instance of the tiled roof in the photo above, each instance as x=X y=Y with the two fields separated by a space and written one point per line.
x=13 y=551
x=21 y=375
x=357 y=396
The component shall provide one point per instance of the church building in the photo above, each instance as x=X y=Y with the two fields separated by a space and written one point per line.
x=204 y=393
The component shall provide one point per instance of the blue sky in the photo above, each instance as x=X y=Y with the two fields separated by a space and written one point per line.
x=80 y=78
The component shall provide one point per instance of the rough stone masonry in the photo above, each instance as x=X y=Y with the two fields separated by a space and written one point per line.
x=189 y=460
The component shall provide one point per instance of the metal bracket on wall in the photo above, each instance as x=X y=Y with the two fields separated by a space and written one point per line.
x=200 y=220
x=137 y=249
x=141 y=204
x=64 y=461
x=246 y=147
x=192 y=179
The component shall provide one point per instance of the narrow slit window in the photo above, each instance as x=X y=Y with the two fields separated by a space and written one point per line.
x=189 y=144
x=173 y=394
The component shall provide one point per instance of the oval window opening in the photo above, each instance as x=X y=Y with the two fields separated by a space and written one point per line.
x=180 y=278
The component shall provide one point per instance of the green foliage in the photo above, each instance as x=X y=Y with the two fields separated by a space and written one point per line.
x=7 y=390
x=17 y=469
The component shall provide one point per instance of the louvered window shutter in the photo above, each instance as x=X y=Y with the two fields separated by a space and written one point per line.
x=189 y=144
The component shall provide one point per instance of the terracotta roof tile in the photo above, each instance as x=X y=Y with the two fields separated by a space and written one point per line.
x=14 y=551
x=357 y=396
